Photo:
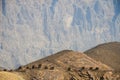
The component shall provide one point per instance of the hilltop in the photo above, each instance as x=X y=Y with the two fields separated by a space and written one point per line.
x=108 y=53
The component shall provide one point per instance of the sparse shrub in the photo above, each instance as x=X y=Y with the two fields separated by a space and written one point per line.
x=82 y=68
x=69 y=69
x=33 y=67
x=97 y=68
x=90 y=68
x=34 y=78
x=46 y=67
x=4 y=69
x=39 y=66
x=20 y=67
x=51 y=68
x=27 y=67
x=101 y=78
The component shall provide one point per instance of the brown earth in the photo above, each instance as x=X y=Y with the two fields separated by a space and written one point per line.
x=108 y=53
x=9 y=76
x=66 y=65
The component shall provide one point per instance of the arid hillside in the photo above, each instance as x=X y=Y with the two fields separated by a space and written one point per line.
x=64 y=65
x=68 y=58
x=9 y=76
x=108 y=53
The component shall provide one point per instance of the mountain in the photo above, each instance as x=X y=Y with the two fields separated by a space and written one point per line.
x=108 y=53
x=69 y=58
x=33 y=29
x=64 y=65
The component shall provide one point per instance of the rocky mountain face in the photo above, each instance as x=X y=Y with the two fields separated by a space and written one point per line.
x=33 y=29
x=64 y=65
x=108 y=53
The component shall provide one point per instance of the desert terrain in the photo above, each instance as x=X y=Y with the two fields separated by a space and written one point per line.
x=71 y=65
